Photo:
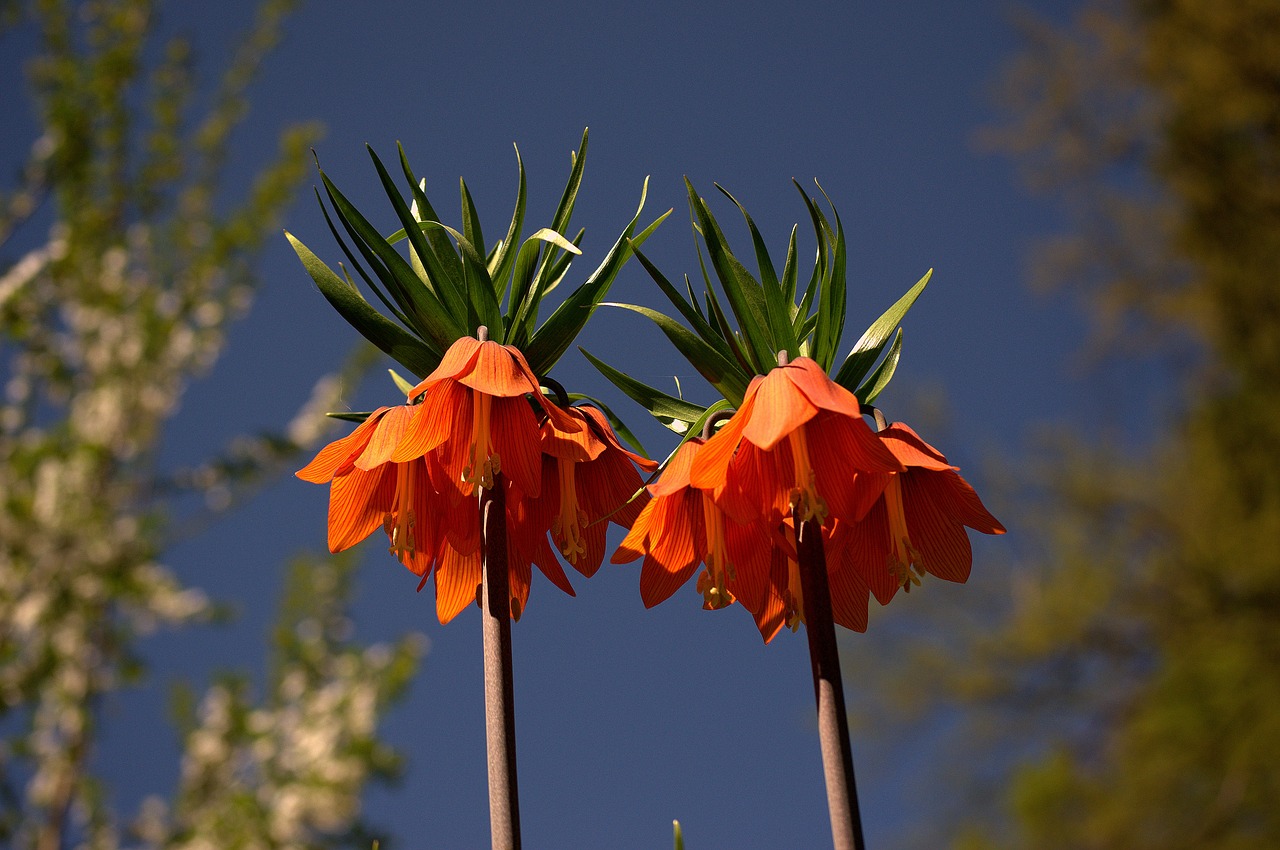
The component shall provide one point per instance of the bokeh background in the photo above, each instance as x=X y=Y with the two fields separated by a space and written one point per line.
x=1076 y=354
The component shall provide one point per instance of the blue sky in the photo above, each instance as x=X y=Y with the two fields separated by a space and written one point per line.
x=626 y=718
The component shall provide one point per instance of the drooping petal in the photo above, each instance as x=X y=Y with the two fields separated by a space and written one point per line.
x=333 y=457
x=457 y=577
x=358 y=503
x=516 y=439
x=941 y=540
x=499 y=370
x=386 y=436
x=457 y=360
x=779 y=409
x=434 y=421
x=822 y=392
x=911 y=450
x=849 y=596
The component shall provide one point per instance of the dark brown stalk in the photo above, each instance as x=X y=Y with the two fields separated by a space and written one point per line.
x=499 y=705
x=833 y=722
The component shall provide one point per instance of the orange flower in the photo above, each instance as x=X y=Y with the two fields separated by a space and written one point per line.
x=590 y=477
x=918 y=526
x=682 y=528
x=476 y=413
x=798 y=440
x=370 y=490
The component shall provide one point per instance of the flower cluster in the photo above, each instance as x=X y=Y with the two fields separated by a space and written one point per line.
x=889 y=506
x=482 y=422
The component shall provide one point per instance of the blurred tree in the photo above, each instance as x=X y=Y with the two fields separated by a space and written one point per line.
x=123 y=267
x=1141 y=651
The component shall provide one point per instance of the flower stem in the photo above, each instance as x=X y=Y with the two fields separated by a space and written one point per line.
x=833 y=722
x=499 y=705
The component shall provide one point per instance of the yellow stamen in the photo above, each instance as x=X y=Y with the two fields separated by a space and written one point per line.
x=567 y=527
x=804 y=496
x=904 y=559
x=485 y=463
x=712 y=583
x=399 y=526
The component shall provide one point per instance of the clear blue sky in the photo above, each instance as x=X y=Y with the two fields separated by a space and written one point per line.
x=626 y=718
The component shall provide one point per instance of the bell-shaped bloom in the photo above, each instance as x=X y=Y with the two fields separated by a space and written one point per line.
x=589 y=480
x=918 y=525
x=681 y=529
x=368 y=490
x=477 y=415
x=798 y=441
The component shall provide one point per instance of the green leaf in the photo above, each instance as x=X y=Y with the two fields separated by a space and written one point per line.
x=549 y=343
x=874 y=339
x=404 y=386
x=745 y=296
x=420 y=304
x=501 y=263
x=350 y=417
x=471 y=222
x=719 y=372
x=674 y=413
x=425 y=212
x=482 y=303
x=415 y=354
x=442 y=293
x=777 y=307
x=880 y=378
x=691 y=314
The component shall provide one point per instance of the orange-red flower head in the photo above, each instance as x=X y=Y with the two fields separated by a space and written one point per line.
x=799 y=441
x=681 y=529
x=918 y=526
x=593 y=480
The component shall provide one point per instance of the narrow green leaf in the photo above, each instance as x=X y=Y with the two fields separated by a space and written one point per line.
x=404 y=386
x=690 y=313
x=743 y=292
x=880 y=378
x=442 y=293
x=503 y=259
x=790 y=275
x=425 y=212
x=551 y=340
x=777 y=307
x=564 y=210
x=674 y=413
x=415 y=354
x=374 y=287
x=471 y=221
x=350 y=417
x=868 y=347
x=482 y=303
x=719 y=372
x=421 y=305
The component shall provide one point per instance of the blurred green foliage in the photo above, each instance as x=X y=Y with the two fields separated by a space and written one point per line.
x=1137 y=672
x=125 y=255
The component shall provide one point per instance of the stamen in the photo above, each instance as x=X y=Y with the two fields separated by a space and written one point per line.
x=712 y=583
x=484 y=463
x=400 y=527
x=904 y=559
x=804 y=497
x=567 y=527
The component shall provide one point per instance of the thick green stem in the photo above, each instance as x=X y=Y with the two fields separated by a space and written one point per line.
x=499 y=704
x=833 y=722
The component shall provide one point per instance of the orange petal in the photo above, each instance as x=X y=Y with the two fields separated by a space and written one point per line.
x=434 y=421
x=780 y=408
x=821 y=391
x=659 y=581
x=907 y=447
x=676 y=475
x=635 y=543
x=496 y=371
x=457 y=361
x=942 y=542
x=771 y=616
x=386 y=436
x=340 y=452
x=712 y=461
x=849 y=595
x=457 y=577
x=358 y=503
x=516 y=440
